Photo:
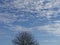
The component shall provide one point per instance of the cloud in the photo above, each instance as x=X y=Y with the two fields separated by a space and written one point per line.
x=17 y=28
x=2 y=33
x=7 y=18
x=52 y=28
x=43 y=7
x=50 y=41
x=34 y=11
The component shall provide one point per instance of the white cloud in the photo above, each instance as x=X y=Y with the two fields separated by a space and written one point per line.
x=7 y=18
x=17 y=28
x=38 y=6
x=29 y=5
x=57 y=21
x=49 y=41
x=52 y=28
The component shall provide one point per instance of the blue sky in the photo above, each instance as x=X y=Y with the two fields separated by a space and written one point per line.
x=40 y=17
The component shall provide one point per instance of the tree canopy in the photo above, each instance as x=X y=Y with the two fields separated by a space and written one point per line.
x=24 y=38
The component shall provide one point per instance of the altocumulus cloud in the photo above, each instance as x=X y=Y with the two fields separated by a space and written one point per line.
x=32 y=13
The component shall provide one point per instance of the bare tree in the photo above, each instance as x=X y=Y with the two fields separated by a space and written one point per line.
x=24 y=38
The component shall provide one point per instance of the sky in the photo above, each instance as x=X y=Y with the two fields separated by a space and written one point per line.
x=39 y=17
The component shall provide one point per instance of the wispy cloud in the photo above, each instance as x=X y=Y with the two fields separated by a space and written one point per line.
x=2 y=33
x=51 y=28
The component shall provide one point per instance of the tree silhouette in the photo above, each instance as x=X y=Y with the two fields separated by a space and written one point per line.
x=24 y=38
